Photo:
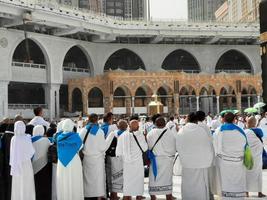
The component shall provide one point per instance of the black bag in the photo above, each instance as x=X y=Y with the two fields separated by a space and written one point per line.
x=81 y=154
x=52 y=151
x=146 y=160
x=264 y=159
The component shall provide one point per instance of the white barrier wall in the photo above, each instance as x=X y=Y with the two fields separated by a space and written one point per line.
x=26 y=113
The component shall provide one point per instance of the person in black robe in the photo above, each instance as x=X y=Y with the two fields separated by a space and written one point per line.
x=5 y=171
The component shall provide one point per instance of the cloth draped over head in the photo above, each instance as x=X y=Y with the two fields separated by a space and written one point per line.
x=21 y=149
x=93 y=128
x=105 y=127
x=68 y=143
x=38 y=133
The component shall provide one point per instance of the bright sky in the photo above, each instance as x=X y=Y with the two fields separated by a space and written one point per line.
x=168 y=9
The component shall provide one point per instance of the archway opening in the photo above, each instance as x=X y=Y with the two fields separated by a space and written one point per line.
x=140 y=97
x=76 y=61
x=119 y=98
x=95 y=98
x=207 y=100
x=124 y=59
x=187 y=100
x=77 y=102
x=28 y=54
x=162 y=94
x=233 y=61
x=181 y=60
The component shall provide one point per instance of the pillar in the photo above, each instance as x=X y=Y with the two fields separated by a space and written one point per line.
x=52 y=100
x=3 y=99
x=249 y=101
x=190 y=104
x=176 y=103
x=218 y=104
x=108 y=104
x=238 y=101
x=85 y=102
x=169 y=105
x=197 y=102
x=259 y=98
x=133 y=98
x=128 y=106
x=70 y=99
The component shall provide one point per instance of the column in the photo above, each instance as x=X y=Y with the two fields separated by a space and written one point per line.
x=197 y=102
x=176 y=103
x=218 y=104
x=249 y=102
x=169 y=105
x=259 y=98
x=190 y=104
x=70 y=99
x=85 y=102
x=238 y=101
x=128 y=106
x=133 y=98
x=4 y=99
x=111 y=103
x=52 y=100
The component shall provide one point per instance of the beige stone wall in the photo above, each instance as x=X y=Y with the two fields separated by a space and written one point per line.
x=152 y=81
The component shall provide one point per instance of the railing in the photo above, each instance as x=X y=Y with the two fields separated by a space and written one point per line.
x=76 y=12
x=233 y=71
x=188 y=71
x=26 y=106
x=73 y=69
x=29 y=65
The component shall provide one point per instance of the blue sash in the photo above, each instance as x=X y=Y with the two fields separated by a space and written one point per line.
x=36 y=138
x=151 y=156
x=93 y=128
x=231 y=127
x=120 y=132
x=68 y=146
x=258 y=132
x=55 y=137
x=105 y=127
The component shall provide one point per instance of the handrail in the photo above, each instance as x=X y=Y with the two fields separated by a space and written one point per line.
x=74 y=69
x=233 y=71
x=26 y=106
x=30 y=65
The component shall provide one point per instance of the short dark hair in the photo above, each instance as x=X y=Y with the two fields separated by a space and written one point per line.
x=37 y=111
x=107 y=117
x=154 y=118
x=192 y=118
x=229 y=117
x=160 y=122
x=200 y=115
x=172 y=118
x=93 y=118
x=134 y=117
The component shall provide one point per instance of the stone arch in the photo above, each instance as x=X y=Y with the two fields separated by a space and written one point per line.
x=187 y=99
x=142 y=95
x=77 y=59
x=77 y=103
x=189 y=89
x=162 y=95
x=95 y=98
x=233 y=61
x=227 y=98
x=181 y=60
x=119 y=97
x=124 y=59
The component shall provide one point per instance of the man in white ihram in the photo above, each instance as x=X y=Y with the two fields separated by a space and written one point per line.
x=229 y=144
x=38 y=119
x=133 y=169
x=196 y=155
x=161 y=141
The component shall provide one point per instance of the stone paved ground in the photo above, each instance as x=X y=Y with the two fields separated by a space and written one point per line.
x=177 y=188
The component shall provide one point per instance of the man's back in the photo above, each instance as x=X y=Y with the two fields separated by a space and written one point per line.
x=166 y=145
x=194 y=147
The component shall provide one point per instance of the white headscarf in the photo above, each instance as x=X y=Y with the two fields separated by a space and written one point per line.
x=68 y=126
x=59 y=126
x=21 y=149
x=38 y=131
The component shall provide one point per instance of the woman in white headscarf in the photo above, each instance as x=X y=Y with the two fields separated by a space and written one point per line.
x=69 y=166
x=21 y=152
x=41 y=168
